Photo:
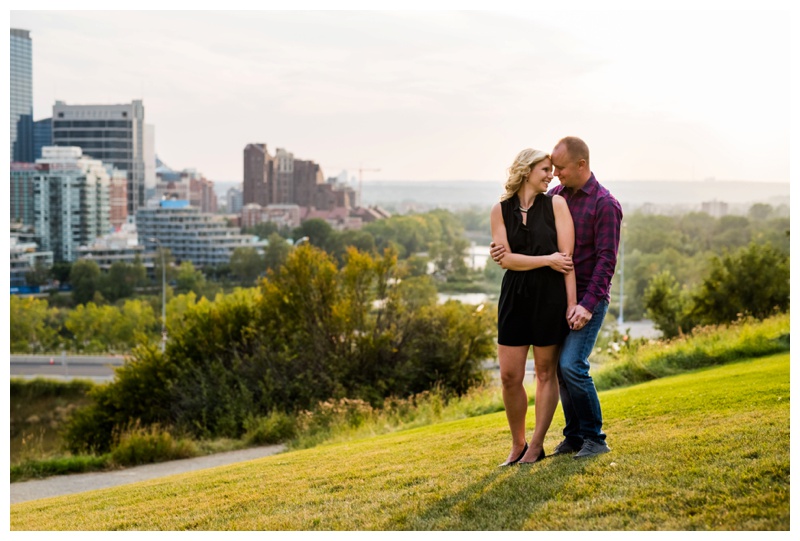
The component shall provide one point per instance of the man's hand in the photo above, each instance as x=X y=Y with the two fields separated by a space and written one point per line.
x=497 y=251
x=578 y=317
x=561 y=262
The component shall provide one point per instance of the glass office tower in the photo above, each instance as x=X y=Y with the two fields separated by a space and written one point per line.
x=21 y=90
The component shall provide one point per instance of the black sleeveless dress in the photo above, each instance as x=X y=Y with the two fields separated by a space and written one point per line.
x=533 y=303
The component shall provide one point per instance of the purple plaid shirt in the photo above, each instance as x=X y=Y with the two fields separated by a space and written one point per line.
x=597 y=216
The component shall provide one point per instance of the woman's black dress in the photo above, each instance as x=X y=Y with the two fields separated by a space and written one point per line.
x=533 y=303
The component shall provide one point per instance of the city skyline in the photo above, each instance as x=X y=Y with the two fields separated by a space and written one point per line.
x=671 y=95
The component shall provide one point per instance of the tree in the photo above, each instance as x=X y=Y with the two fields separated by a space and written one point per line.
x=754 y=281
x=189 y=278
x=341 y=242
x=31 y=328
x=276 y=252
x=760 y=212
x=39 y=275
x=246 y=264
x=317 y=230
x=663 y=302
x=60 y=271
x=122 y=280
x=85 y=280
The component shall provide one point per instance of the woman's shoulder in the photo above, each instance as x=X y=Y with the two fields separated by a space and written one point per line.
x=557 y=200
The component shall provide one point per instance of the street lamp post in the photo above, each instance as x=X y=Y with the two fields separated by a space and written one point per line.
x=301 y=240
x=163 y=295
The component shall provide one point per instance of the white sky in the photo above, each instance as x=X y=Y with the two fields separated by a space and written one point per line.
x=424 y=95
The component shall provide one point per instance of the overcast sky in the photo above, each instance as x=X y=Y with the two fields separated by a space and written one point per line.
x=421 y=95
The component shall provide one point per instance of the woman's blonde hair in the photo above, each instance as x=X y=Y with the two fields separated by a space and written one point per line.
x=520 y=169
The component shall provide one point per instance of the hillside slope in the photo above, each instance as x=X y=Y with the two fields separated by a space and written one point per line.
x=704 y=450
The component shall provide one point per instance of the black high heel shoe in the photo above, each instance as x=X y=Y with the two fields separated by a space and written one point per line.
x=538 y=458
x=512 y=462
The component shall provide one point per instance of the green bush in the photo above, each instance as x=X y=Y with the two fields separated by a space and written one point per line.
x=144 y=445
x=276 y=427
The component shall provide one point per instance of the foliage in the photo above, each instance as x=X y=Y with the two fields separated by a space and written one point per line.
x=39 y=275
x=752 y=281
x=273 y=428
x=58 y=466
x=139 y=445
x=122 y=279
x=189 y=279
x=99 y=329
x=246 y=264
x=311 y=332
x=85 y=280
x=276 y=252
x=663 y=300
x=31 y=329
x=684 y=245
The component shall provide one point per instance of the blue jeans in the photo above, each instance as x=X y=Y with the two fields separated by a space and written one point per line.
x=576 y=387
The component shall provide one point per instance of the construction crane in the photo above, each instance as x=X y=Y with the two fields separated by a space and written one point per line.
x=360 y=177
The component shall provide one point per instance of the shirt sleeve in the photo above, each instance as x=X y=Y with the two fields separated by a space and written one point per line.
x=606 y=234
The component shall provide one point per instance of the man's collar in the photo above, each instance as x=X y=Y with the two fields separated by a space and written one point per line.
x=589 y=187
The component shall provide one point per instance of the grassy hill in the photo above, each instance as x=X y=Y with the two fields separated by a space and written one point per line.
x=707 y=450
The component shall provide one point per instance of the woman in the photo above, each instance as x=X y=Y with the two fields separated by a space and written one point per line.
x=538 y=286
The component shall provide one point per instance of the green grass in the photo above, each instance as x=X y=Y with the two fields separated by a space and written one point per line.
x=706 y=450
x=706 y=346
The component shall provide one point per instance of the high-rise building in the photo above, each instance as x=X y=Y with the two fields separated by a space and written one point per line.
x=234 y=200
x=118 y=198
x=21 y=91
x=115 y=134
x=21 y=203
x=284 y=180
x=70 y=201
x=257 y=174
x=42 y=136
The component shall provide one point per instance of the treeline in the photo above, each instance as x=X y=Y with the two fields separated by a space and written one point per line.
x=689 y=248
x=311 y=331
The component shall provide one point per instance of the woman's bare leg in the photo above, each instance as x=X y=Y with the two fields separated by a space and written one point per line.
x=512 y=374
x=546 y=362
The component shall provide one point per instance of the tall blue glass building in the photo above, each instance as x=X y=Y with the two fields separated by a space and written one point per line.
x=42 y=136
x=21 y=90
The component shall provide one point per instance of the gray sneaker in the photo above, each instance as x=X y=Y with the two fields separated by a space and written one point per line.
x=565 y=447
x=592 y=448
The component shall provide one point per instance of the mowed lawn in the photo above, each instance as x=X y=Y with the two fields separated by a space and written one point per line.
x=707 y=450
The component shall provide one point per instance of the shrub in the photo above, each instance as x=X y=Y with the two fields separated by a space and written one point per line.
x=144 y=445
x=274 y=428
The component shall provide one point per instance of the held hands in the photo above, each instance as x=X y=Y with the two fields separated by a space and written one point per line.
x=578 y=317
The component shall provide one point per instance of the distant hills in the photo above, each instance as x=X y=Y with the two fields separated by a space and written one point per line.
x=632 y=194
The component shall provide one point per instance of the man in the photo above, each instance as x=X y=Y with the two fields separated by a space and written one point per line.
x=597 y=216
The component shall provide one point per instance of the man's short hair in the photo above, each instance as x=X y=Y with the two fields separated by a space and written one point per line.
x=576 y=148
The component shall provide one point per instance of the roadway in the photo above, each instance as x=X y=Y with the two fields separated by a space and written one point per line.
x=95 y=367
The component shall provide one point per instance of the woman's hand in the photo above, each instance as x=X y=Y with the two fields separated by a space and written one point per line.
x=497 y=251
x=560 y=262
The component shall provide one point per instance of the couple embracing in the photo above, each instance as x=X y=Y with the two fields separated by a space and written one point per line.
x=559 y=249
